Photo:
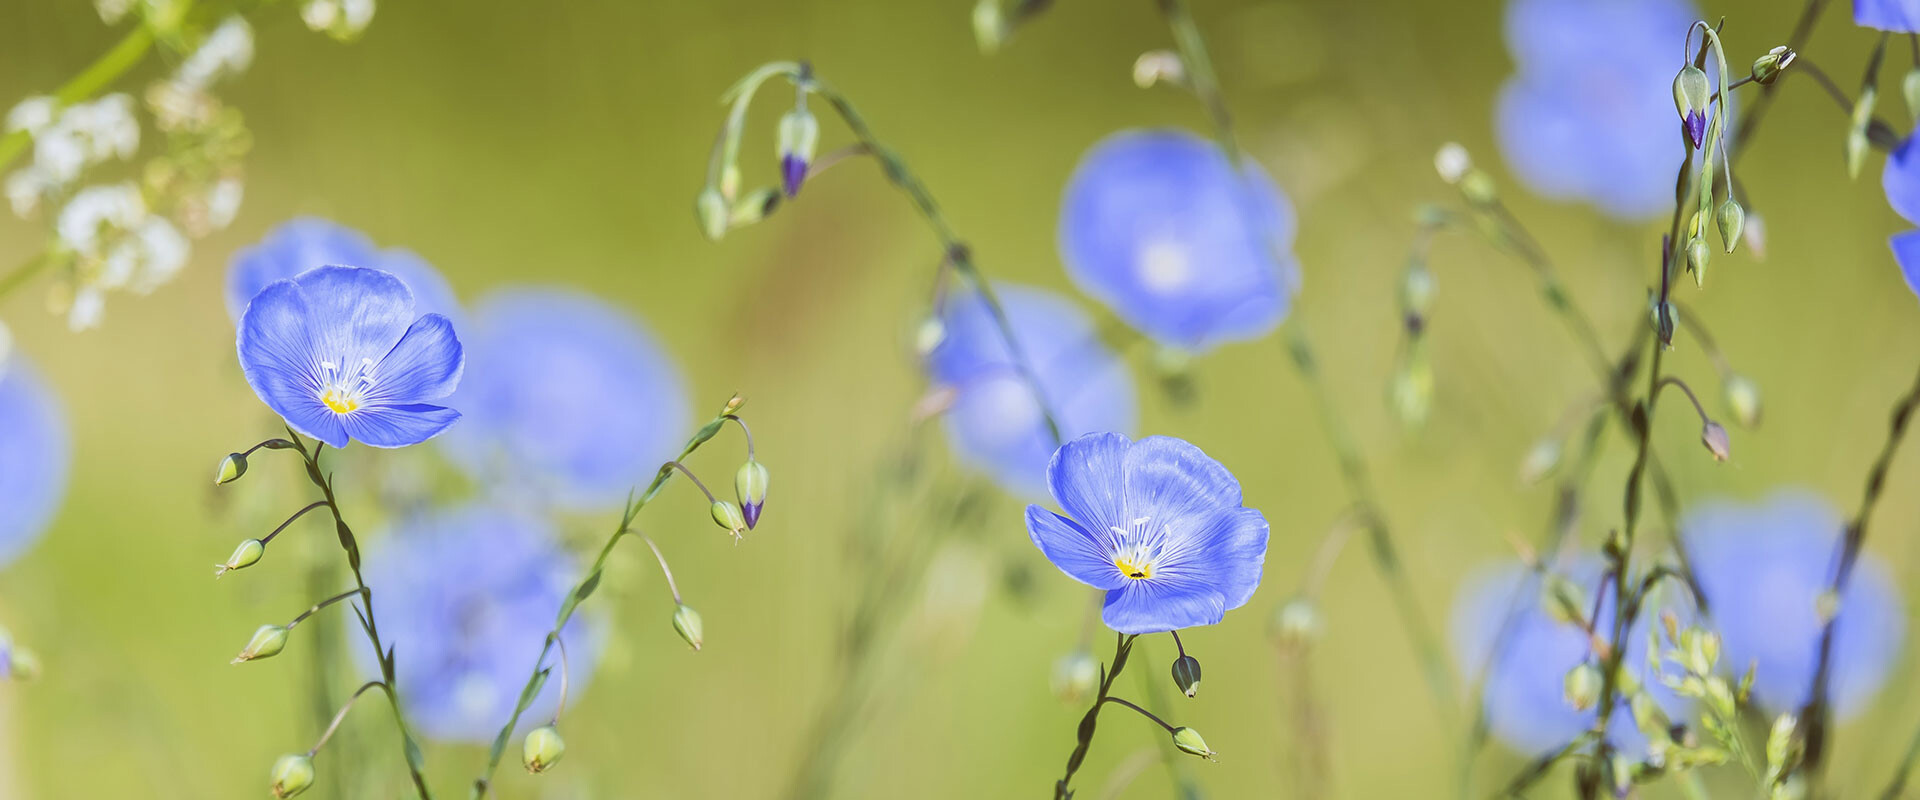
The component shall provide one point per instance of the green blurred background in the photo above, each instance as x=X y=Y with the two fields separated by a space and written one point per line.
x=514 y=142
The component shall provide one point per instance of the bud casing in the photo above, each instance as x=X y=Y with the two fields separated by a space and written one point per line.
x=1581 y=687
x=1742 y=397
x=1690 y=92
x=750 y=485
x=798 y=136
x=1186 y=675
x=231 y=468
x=1189 y=741
x=1715 y=438
x=246 y=555
x=267 y=642
x=728 y=515
x=686 y=622
x=712 y=209
x=542 y=749
x=292 y=774
x=1732 y=220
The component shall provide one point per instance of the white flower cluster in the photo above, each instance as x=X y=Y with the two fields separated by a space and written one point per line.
x=66 y=142
x=341 y=19
x=118 y=244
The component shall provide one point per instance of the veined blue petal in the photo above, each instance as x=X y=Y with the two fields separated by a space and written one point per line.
x=1163 y=604
x=1228 y=545
x=425 y=365
x=1083 y=556
x=278 y=356
x=398 y=426
x=1906 y=253
x=1898 y=16
x=33 y=457
x=1900 y=180
x=1085 y=475
x=1168 y=479
x=355 y=313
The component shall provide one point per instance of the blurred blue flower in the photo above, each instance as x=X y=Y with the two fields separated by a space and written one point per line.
x=1906 y=253
x=1524 y=691
x=1763 y=567
x=1588 y=115
x=302 y=243
x=466 y=597
x=1156 y=524
x=1898 y=16
x=993 y=422
x=1158 y=226
x=339 y=353
x=33 y=457
x=568 y=398
x=1900 y=180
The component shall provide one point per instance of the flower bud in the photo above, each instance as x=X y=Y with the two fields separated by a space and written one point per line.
x=928 y=336
x=1715 y=438
x=1564 y=600
x=1411 y=393
x=727 y=515
x=246 y=555
x=1186 y=675
x=1074 y=676
x=1910 y=88
x=231 y=468
x=1755 y=234
x=1697 y=256
x=753 y=207
x=799 y=134
x=1857 y=142
x=1540 y=461
x=1768 y=67
x=267 y=642
x=1690 y=92
x=1732 y=218
x=750 y=485
x=1742 y=397
x=1478 y=187
x=1582 y=686
x=1452 y=162
x=686 y=622
x=1665 y=319
x=1296 y=624
x=1189 y=741
x=1416 y=289
x=292 y=774
x=542 y=749
x=1158 y=66
x=989 y=25
x=1702 y=650
x=713 y=212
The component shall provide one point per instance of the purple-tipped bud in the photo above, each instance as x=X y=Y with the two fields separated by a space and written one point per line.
x=1696 y=125
x=1690 y=95
x=793 y=171
x=750 y=486
x=799 y=134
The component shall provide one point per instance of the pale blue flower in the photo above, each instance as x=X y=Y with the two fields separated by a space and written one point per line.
x=1159 y=227
x=1157 y=525
x=466 y=597
x=567 y=398
x=1763 y=567
x=33 y=457
x=994 y=423
x=302 y=243
x=1898 y=16
x=340 y=354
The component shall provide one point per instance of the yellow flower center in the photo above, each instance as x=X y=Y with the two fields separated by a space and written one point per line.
x=343 y=391
x=1133 y=566
x=340 y=402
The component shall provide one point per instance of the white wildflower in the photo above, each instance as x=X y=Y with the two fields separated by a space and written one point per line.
x=341 y=19
x=227 y=51
x=1452 y=162
x=112 y=11
x=25 y=188
x=88 y=304
x=118 y=207
x=32 y=114
x=223 y=202
x=160 y=251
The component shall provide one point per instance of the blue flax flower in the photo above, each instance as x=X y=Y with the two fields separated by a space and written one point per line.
x=1524 y=695
x=1763 y=567
x=33 y=457
x=466 y=597
x=1900 y=179
x=994 y=423
x=1898 y=16
x=567 y=398
x=1158 y=226
x=302 y=243
x=339 y=353
x=1588 y=115
x=1156 y=524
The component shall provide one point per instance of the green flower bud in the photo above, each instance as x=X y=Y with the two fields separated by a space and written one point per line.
x=1690 y=92
x=1540 y=461
x=1768 y=67
x=1697 y=256
x=1564 y=600
x=542 y=749
x=686 y=622
x=750 y=485
x=292 y=774
x=712 y=210
x=1296 y=624
x=231 y=468
x=1582 y=686
x=798 y=137
x=1074 y=676
x=267 y=642
x=1857 y=142
x=1159 y=66
x=989 y=26
x=1665 y=318
x=1910 y=88
x=1189 y=741
x=1186 y=674
x=1715 y=438
x=753 y=207
x=1732 y=219
x=246 y=555
x=1410 y=395
x=1478 y=187
x=727 y=515
x=1416 y=289
x=1742 y=397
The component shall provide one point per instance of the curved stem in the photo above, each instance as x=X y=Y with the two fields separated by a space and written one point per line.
x=268 y=539
x=560 y=642
x=664 y=569
x=340 y=717
x=1671 y=380
x=112 y=64
x=315 y=608
x=1124 y=646
x=1143 y=712
x=690 y=476
x=744 y=431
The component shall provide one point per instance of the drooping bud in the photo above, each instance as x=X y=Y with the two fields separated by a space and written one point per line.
x=267 y=642
x=1564 y=600
x=727 y=515
x=750 y=485
x=1416 y=289
x=1158 y=66
x=1732 y=219
x=1074 y=676
x=1857 y=141
x=1540 y=461
x=1186 y=675
x=1452 y=162
x=799 y=134
x=246 y=555
x=753 y=207
x=1715 y=438
x=1690 y=92
x=1581 y=687
x=1755 y=235
x=686 y=622
x=1296 y=624
x=1742 y=397
x=989 y=26
x=542 y=749
x=1697 y=256
x=713 y=213
x=928 y=336
x=292 y=774
x=231 y=468
x=1189 y=741
x=1478 y=187
x=1768 y=67
x=1665 y=318
x=1910 y=88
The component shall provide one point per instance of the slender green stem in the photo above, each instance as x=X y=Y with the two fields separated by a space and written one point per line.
x=1062 y=789
x=315 y=608
x=1752 y=117
x=101 y=73
x=268 y=539
x=585 y=588
x=1143 y=712
x=1897 y=788
x=342 y=716
x=1539 y=767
